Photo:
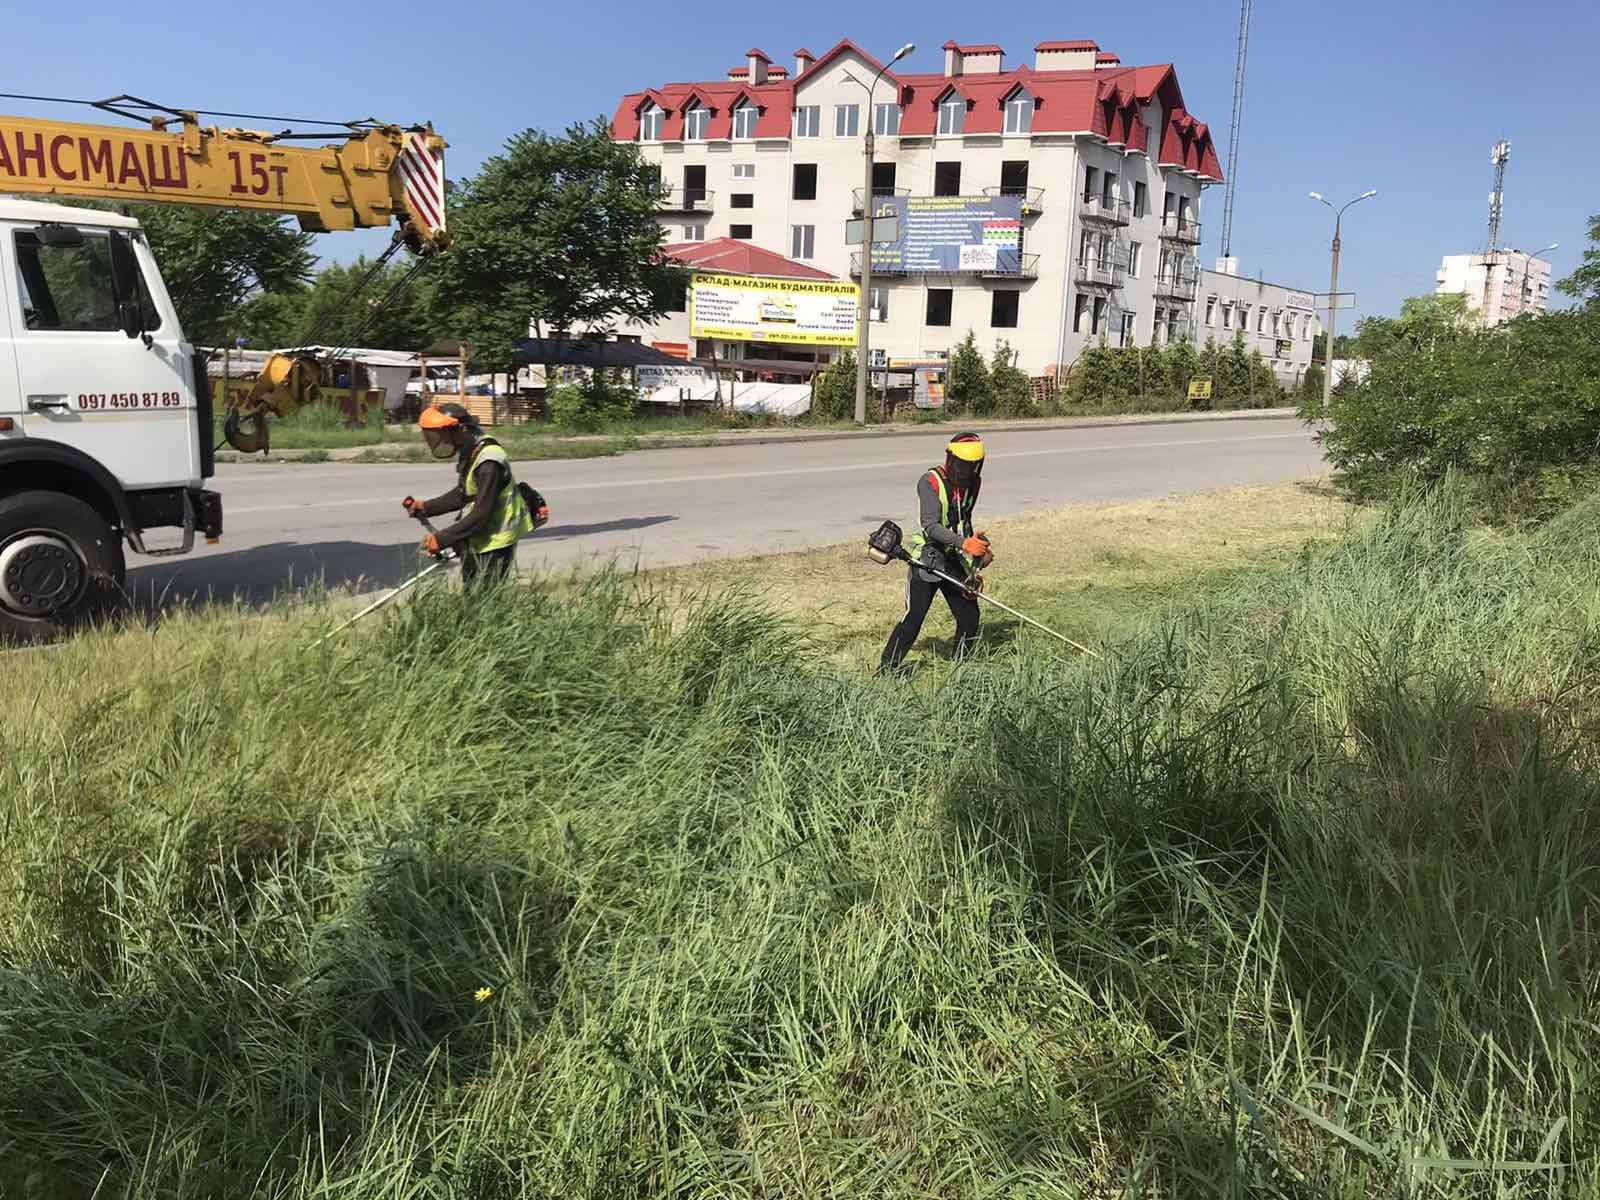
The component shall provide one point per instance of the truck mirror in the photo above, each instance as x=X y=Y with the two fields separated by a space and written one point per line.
x=59 y=235
x=130 y=317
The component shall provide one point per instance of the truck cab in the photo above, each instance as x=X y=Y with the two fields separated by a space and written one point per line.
x=105 y=415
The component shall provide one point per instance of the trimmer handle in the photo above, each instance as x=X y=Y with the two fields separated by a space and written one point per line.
x=447 y=553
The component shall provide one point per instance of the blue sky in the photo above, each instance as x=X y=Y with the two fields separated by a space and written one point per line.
x=1404 y=96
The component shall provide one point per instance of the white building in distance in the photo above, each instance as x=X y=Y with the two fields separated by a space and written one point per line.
x=1102 y=166
x=1499 y=287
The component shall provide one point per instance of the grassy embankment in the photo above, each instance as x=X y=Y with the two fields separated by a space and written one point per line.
x=1291 y=896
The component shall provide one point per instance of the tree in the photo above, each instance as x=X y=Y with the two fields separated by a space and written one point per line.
x=328 y=314
x=215 y=260
x=966 y=380
x=1008 y=383
x=559 y=232
x=836 y=389
x=1584 y=283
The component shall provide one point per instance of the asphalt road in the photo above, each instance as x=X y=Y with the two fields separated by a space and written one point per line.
x=290 y=524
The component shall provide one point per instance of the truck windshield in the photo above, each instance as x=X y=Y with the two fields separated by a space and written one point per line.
x=69 y=287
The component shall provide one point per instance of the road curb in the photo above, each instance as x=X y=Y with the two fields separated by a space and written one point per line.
x=761 y=437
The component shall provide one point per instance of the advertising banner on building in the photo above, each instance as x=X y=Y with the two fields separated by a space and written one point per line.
x=749 y=308
x=952 y=234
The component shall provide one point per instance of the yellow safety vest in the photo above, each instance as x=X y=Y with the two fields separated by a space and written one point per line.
x=968 y=499
x=510 y=518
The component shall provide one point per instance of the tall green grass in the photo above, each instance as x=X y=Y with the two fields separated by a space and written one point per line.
x=1292 y=896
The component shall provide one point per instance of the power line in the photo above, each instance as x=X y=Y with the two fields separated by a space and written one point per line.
x=203 y=112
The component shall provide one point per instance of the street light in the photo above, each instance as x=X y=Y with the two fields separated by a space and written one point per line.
x=863 y=336
x=1333 y=287
x=1526 y=259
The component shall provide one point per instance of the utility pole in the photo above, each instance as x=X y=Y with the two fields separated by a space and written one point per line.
x=1498 y=156
x=1333 y=289
x=864 y=317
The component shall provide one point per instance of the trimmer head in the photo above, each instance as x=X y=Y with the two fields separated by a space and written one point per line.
x=883 y=545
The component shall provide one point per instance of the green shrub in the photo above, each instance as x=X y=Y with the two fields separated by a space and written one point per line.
x=836 y=389
x=967 y=388
x=1009 y=384
x=1506 y=406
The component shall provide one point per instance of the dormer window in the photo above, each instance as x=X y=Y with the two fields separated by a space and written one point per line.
x=696 y=122
x=1019 y=112
x=952 y=115
x=651 y=121
x=744 y=120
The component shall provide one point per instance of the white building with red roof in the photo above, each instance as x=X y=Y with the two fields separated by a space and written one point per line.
x=1103 y=163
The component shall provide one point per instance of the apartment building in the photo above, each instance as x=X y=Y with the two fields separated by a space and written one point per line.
x=1101 y=163
x=1498 y=286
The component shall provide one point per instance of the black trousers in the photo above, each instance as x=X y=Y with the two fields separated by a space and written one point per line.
x=919 y=595
x=492 y=566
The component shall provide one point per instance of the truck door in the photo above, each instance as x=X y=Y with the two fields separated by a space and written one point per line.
x=10 y=393
x=126 y=401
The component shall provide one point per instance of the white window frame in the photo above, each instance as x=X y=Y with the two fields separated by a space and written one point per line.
x=1135 y=259
x=955 y=104
x=745 y=113
x=808 y=120
x=1261 y=319
x=1019 y=112
x=886 y=120
x=878 y=303
x=1211 y=312
x=696 y=114
x=695 y=232
x=1126 y=335
x=744 y=170
x=846 y=120
x=652 y=122
x=803 y=242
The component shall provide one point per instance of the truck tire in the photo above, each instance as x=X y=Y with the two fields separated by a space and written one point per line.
x=60 y=565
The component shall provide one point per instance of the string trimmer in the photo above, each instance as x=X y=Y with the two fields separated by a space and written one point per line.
x=447 y=557
x=884 y=547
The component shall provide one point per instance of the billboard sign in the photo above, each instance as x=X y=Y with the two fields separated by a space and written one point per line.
x=1299 y=300
x=751 y=308
x=951 y=234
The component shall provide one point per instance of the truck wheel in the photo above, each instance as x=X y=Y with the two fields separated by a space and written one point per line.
x=60 y=564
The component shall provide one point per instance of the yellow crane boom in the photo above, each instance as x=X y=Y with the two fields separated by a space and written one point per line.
x=376 y=176
x=379 y=175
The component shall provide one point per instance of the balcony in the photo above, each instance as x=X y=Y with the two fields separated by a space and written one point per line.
x=1099 y=272
x=1177 y=285
x=1105 y=210
x=877 y=268
x=1032 y=198
x=678 y=199
x=1180 y=229
x=1027 y=268
x=878 y=193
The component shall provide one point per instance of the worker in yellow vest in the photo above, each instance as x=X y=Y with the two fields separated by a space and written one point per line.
x=946 y=496
x=497 y=513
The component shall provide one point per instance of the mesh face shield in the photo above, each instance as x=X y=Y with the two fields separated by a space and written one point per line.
x=440 y=444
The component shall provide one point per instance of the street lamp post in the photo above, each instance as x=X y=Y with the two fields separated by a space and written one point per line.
x=863 y=335
x=1526 y=259
x=1333 y=288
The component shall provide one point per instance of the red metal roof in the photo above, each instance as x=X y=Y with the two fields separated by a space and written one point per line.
x=756 y=53
x=989 y=49
x=1107 y=101
x=739 y=258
